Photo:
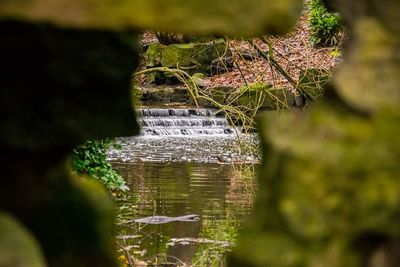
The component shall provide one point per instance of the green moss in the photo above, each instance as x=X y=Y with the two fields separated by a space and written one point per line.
x=369 y=77
x=312 y=81
x=235 y=17
x=153 y=55
x=329 y=177
x=192 y=58
x=177 y=56
x=17 y=245
x=204 y=54
x=265 y=96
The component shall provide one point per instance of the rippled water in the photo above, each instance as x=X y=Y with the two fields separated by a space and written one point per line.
x=222 y=195
x=187 y=161
x=210 y=149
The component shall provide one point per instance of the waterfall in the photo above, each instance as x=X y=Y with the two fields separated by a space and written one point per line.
x=182 y=122
x=184 y=135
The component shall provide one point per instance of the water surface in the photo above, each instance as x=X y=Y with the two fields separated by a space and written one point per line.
x=187 y=161
x=221 y=194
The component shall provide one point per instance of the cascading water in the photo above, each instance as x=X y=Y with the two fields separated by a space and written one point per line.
x=186 y=122
x=185 y=169
x=184 y=135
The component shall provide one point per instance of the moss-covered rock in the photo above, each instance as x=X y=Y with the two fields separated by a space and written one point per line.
x=312 y=82
x=76 y=226
x=61 y=87
x=249 y=17
x=330 y=175
x=18 y=248
x=66 y=71
x=204 y=55
x=153 y=55
x=70 y=217
x=198 y=79
x=153 y=59
x=330 y=180
x=191 y=57
x=329 y=187
x=265 y=97
x=177 y=56
x=369 y=78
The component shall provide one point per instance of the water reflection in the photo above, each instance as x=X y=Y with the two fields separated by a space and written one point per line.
x=221 y=194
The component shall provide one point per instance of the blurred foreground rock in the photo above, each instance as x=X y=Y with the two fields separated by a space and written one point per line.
x=66 y=70
x=329 y=184
x=18 y=248
x=330 y=175
x=59 y=88
x=237 y=17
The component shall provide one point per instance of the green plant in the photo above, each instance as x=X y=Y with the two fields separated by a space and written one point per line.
x=325 y=26
x=89 y=159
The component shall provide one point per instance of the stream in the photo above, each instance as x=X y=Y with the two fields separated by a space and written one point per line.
x=185 y=162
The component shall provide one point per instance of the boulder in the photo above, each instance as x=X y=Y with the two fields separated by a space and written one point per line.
x=265 y=97
x=192 y=57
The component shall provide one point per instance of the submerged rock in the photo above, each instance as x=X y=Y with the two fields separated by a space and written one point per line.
x=166 y=219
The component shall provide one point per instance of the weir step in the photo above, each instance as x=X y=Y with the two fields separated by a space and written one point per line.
x=183 y=122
